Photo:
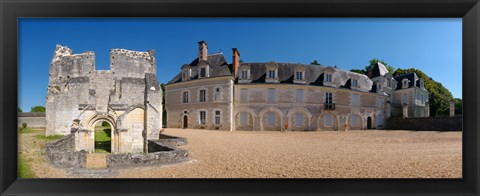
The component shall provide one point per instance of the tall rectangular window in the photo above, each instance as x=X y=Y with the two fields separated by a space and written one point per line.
x=299 y=75
x=328 y=120
x=299 y=121
x=328 y=98
x=218 y=95
x=185 y=97
x=300 y=95
x=422 y=98
x=244 y=95
x=202 y=96
x=203 y=117
x=355 y=100
x=243 y=118
x=244 y=75
x=354 y=120
x=217 y=117
x=271 y=95
x=203 y=72
x=271 y=118
x=271 y=73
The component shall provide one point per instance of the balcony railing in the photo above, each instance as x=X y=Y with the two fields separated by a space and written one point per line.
x=329 y=106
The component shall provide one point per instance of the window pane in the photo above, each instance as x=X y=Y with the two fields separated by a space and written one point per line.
x=243 y=118
x=202 y=95
x=299 y=121
x=202 y=117
x=300 y=95
x=271 y=118
x=328 y=120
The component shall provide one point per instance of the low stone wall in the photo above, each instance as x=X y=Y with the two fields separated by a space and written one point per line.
x=33 y=119
x=172 y=141
x=435 y=123
x=169 y=156
x=61 y=153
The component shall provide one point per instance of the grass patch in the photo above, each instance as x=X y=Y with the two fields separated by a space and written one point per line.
x=50 y=137
x=24 y=168
x=103 y=140
x=29 y=130
x=99 y=150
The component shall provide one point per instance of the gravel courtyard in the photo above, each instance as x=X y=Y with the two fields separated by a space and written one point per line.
x=321 y=154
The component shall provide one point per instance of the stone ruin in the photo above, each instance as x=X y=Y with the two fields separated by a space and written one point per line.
x=128 y=97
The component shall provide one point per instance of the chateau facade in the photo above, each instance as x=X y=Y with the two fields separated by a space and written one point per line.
x=211 y=93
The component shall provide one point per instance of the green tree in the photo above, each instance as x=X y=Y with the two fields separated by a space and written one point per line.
x=37 y=109
x=458 y=106
x=19 y=110
x=439 y=96
x=164 y=111
x=315 y=62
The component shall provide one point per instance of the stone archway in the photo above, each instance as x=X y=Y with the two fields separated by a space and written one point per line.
x=90 y=136
x=369 y=122
x=185 y=121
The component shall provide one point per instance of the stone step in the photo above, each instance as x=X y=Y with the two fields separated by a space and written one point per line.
x=96 y=161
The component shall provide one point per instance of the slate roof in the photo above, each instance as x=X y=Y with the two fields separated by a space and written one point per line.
x=218 y=67
x=412 y=80
x=285 y=72
x=379 y=70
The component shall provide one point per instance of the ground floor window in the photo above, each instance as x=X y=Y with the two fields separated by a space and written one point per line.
x=271 y=118
x=354 y=121
x=217 y=117
x=299 y=121
x=243 y=118
x=202 y=117
x=328 y=120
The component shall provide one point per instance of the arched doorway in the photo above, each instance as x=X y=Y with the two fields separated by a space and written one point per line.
x=102 y=137
x=185 y=121
x=369 y=122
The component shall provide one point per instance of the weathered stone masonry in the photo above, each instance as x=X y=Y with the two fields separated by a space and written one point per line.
x=127 y=96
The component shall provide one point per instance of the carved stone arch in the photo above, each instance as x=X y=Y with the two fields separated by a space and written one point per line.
x=361 y=121
x=298 y=110
x=270 y=109
x=250 y=112
x=121 y=118
x=321 y=121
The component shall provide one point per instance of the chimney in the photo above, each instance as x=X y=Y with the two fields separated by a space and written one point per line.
x=235 y=61
x=202 y=50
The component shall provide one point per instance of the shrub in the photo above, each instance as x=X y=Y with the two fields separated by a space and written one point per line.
x=24 y=125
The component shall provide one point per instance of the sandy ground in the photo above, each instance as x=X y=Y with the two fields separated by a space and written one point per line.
x=322 y=154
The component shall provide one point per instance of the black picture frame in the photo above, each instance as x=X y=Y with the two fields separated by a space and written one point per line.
x=11 y=10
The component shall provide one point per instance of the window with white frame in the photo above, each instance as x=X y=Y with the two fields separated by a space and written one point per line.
x=244 y=95
x=405 y=83
x=203 y=95
x=218 y=94
x=299 y=75
x=300 y=93
x=271 y=118
x=243 y=118
x=271 y=73
x=271 y=95
x=202 y=117
x=299 y=120
x=328 y=77
x=328 y=120
x=217 y=117
x=185 y=97
x=244 y=75
x=354 y=82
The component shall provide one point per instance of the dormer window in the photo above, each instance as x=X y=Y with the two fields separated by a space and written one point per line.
x=328 y=77
x=354 y=82
x=405 y=83
x=244 y=74
x=379 y=87
x=272 y=73
x=186 y=75
x=203 y=72
x=299 y=75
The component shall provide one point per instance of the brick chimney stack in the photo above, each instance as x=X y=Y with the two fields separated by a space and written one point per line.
x=235 y=61
x=202 y=50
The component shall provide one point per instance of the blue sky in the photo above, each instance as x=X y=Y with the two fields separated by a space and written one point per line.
x=431 y=45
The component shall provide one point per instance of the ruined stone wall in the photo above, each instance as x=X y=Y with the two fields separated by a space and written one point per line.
x=311 y=111
x=176 y=109
x=61 y=153
x=77 y=91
